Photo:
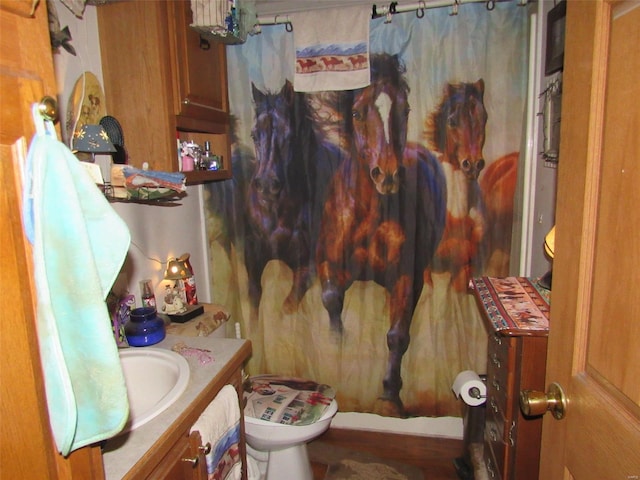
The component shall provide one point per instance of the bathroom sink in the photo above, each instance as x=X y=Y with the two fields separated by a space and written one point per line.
x=155 y=379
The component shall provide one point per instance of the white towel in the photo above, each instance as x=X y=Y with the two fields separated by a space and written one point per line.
x=219 y=425
x=331 y=49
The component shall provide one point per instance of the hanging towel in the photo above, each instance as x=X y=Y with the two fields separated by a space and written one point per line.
x=331 y=49
x=79 y=245
x=219 y=425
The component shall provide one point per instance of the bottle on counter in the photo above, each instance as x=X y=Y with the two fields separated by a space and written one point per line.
x=146 y=292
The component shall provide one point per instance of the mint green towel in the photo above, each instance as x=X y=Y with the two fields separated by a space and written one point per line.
x=79 y=245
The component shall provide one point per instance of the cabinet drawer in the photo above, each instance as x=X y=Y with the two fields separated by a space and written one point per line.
x=498 y=368
x=494 y=470
x=496 y=434
x=497 y=390
x=498 y=351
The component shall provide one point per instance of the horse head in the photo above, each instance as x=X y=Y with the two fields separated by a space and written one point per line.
x=457 y=127
x=271 y=134
x=379 y=115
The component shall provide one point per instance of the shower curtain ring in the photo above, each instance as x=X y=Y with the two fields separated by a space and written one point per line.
x=454 y=8
x=420 y=9
x=491 y=4
x=288 y=26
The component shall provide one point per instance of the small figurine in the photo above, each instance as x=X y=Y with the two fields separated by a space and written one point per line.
x=173 y=302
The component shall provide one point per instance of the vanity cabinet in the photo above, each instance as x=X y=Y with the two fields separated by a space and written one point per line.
x=162 y=82
x=165 y=447
x=515 y=314
x=186 y=460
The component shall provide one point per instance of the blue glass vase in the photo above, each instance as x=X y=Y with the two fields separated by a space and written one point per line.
x=144 y=327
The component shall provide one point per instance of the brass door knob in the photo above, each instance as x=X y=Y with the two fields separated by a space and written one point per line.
x=534 y=403
x=48 y=108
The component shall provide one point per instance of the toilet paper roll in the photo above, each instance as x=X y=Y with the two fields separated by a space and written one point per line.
x=470 y=388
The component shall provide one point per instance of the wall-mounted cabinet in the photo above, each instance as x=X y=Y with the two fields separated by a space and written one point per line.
x=163 y=82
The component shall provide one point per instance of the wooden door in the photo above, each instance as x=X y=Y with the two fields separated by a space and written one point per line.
x=26 y=443
x=595 y=312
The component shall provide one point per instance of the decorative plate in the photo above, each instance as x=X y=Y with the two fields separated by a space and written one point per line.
x=86 y=104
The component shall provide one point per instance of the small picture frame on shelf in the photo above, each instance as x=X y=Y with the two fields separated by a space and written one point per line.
x=556 y=19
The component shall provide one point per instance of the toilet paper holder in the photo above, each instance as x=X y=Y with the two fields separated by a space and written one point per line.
x=475 y=393
x=470 y=387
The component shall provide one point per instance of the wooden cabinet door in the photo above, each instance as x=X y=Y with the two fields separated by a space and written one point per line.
x=200 y=70
x=185 y=461
x=134 y=48
x=595 y=314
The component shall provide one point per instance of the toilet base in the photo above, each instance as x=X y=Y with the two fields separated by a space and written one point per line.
x=291 y=462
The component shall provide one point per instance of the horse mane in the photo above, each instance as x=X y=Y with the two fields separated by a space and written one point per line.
x=435 y=132
x=331 y=110
x=387 y=69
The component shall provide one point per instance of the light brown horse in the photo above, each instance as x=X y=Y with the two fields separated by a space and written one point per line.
x=498 y=186
x=456 y=129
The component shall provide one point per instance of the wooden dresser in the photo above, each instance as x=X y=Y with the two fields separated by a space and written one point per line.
x=516 y=315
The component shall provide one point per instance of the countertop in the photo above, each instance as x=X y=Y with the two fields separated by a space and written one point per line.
x=123 y=452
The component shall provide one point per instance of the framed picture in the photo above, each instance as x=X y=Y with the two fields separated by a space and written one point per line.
x=555 y=38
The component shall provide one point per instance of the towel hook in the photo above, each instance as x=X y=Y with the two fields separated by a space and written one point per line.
x=420 y=9
x=48 y=108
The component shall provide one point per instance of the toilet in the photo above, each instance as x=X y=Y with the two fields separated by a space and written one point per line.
x=281 y=450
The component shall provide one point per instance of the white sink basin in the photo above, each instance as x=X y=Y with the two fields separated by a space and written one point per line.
x=155 y=378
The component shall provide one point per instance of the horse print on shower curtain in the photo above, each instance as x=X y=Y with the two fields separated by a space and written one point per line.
x=344 y=243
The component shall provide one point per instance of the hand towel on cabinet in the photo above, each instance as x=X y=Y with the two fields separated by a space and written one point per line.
x=219 y=425
x=79 y=245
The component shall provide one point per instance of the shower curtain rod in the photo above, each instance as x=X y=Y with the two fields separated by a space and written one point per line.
x=394 y=8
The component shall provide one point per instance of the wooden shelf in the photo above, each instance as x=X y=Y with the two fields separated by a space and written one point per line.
x=203 y=176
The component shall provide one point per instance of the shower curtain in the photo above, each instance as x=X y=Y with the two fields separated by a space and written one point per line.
x=441 y=55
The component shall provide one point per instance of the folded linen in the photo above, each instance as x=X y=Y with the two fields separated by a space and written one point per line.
x=136 y=178
x=335 y=58
x=219 y=425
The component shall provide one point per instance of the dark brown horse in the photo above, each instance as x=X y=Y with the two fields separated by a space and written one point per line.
x=285 y=192
x=456 y=129
x=384 y=213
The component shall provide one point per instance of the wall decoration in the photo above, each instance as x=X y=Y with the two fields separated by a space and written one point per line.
x=555 y=38
x=551 y=115
x=86 y=104
x=60 y=37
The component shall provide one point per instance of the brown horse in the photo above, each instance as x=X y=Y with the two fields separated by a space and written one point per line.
x=456 y=129
x=384 y=212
